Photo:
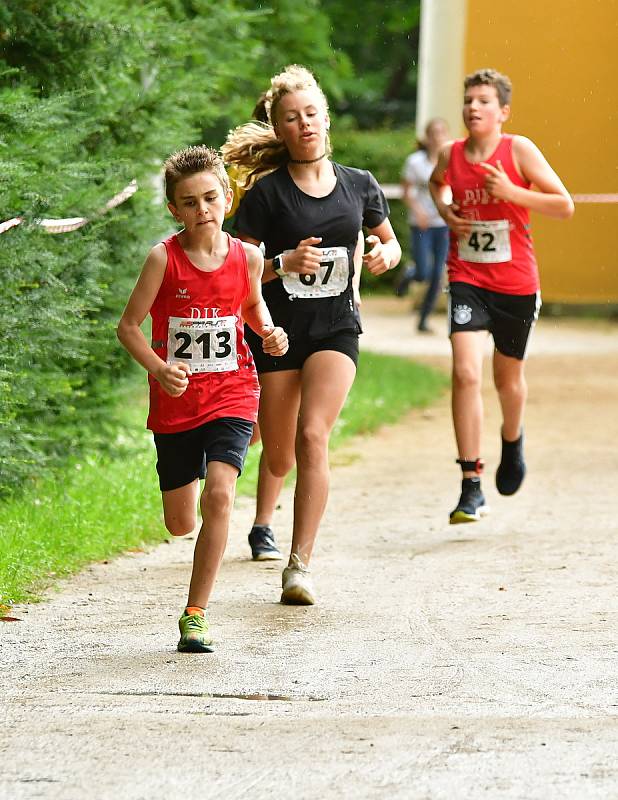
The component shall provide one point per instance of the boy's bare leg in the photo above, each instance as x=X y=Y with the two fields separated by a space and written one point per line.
x=180 y=508
x=318 y=413
x=216 y=505
x=512 y=391
x=466 y=399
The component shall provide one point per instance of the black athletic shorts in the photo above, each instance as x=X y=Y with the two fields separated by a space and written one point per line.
x=345 y=342
x=508 y=317
x=182 y=457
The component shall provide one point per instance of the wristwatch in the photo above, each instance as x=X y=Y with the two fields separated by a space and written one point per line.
x=278 y=266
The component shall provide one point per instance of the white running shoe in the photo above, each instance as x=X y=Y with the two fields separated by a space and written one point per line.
x=297 y=586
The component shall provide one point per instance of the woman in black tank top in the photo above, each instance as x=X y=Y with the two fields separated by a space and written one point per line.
x=307 y=211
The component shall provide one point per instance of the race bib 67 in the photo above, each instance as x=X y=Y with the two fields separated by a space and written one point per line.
x=330 y=280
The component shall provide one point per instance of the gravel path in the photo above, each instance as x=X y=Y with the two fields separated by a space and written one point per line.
x=441 y=662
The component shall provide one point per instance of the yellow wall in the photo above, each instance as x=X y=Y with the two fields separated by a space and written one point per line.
x=562 y=56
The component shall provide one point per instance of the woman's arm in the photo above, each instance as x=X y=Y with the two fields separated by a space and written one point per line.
x=305 y=259
x=357 y=259
x=385 y=252
x=410 y=200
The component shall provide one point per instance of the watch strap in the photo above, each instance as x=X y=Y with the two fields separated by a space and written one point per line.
x=278 y=266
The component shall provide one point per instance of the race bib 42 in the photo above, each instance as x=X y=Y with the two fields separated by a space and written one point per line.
x=489 y=242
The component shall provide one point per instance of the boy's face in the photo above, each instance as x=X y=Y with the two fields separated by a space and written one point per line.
x=482 y=112
x=200 y=202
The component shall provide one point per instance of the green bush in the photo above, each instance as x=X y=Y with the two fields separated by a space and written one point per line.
x=93 y=95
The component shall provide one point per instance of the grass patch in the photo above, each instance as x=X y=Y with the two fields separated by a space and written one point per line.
x=99 y=506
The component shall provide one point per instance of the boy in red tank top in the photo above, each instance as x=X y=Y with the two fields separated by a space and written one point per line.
x=198 y=286
x=493 y=276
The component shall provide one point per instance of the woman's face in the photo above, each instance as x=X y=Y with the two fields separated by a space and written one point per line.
x=436 y=135
x=302 y=123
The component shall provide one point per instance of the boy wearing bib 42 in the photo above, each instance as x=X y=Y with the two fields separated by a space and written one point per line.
x=493 y=276
x=198 y=287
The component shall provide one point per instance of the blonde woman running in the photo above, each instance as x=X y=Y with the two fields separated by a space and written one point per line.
x=307 y=211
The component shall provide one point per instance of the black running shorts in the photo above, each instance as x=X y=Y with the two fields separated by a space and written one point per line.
x=508 y=317
x=182 y=457
x=345 y=342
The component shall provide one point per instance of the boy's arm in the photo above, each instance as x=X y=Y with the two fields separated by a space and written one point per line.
x=437 y=188
x=173 y=378
x=551 y=198
x=255 y=311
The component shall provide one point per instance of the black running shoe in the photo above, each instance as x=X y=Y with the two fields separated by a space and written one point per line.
x=403 y=284
x=471 y=506
x=262 y=542
x=512 y=469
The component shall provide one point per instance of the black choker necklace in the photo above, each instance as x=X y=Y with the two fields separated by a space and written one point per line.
x=307 y=160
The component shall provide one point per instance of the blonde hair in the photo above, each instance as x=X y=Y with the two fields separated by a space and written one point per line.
x=189 y=161
x=254 y=147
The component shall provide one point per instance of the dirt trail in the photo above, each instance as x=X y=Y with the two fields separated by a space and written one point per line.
x=441 y=662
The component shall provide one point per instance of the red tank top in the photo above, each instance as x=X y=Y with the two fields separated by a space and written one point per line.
x=196 y=319
x=495 y=256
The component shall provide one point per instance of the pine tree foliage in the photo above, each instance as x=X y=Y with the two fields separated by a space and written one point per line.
x=93 y=94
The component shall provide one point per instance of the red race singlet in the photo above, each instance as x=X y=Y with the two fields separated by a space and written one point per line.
x=498 y=253
x=196 y=320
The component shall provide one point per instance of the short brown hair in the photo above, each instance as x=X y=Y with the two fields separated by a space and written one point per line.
x=491 y=77
x=189 y=161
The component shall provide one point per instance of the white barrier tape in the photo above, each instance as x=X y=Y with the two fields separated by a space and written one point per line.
x=393 y=191
x=10 y=223
x=73 y=223
x=595 y=198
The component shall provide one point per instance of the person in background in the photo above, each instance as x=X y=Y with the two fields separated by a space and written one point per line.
x=428 y=232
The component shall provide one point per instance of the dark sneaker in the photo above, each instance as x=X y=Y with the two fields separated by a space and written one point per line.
x=262 y=542
x=194 y=635
x=403 y=284
x=471 y=506
x=512 y=469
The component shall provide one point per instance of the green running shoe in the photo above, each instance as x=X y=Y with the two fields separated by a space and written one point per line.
x=194 y=635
